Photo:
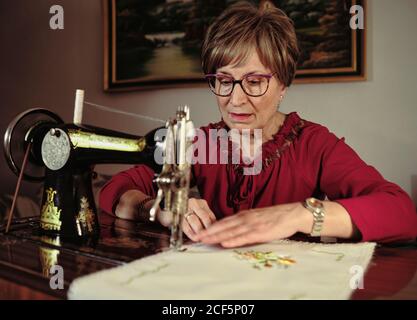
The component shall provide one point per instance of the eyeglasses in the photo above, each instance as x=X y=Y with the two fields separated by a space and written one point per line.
x=254 y=85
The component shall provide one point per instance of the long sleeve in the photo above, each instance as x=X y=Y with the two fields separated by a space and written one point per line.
x=381 y=210
x=303 y=160
x=139 y=178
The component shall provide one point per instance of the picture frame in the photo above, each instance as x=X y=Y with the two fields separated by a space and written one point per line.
x=156 y=44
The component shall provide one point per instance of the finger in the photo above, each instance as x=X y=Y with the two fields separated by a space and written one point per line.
x=188 y=231
x=225 y=235
x=201 y=204
x=210 y=213
x=194 y=222
x=240 y=240
x=252 y=236
x=202 y=215
x=220 y=226
x=201 y=209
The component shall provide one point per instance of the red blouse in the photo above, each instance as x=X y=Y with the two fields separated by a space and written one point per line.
x=302 y=160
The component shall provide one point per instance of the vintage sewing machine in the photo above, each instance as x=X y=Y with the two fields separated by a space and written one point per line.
x=62 y=155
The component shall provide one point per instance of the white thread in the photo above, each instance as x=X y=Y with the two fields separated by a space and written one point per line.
x=109 y=109
x=78 y=107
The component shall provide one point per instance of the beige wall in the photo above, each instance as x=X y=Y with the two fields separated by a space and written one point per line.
x=42 y=67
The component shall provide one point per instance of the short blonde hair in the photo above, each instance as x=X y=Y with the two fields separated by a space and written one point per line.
x=244 y=26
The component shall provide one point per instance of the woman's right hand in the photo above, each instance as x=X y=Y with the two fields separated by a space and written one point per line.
x=198 y=217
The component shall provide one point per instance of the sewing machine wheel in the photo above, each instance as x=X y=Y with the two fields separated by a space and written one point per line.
x=30 y=125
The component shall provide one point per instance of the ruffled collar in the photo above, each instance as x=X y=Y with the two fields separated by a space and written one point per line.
x=273 y=148
x=242 y=187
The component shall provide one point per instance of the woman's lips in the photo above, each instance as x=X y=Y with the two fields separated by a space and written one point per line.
x=241 y=117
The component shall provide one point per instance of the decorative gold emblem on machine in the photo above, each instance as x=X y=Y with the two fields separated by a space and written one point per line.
x=49 y=256
x=85 y=217
x=50 y=214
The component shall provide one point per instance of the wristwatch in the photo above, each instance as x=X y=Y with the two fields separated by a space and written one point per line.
x=317 y=209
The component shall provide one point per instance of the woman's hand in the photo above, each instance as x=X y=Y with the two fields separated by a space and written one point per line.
x=257 y=226
x=198 y=217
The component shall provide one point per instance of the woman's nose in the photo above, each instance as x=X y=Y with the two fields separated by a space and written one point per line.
x=238 y=96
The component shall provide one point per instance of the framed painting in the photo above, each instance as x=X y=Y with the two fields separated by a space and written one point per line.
x=157 y=43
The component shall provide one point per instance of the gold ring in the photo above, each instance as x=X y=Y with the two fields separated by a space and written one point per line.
x=187 y=215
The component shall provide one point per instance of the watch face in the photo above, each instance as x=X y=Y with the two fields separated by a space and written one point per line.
x=315 y=203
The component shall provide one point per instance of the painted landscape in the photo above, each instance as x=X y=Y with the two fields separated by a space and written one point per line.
x=161 y=39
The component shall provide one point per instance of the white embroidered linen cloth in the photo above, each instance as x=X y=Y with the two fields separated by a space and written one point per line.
x=281 y=270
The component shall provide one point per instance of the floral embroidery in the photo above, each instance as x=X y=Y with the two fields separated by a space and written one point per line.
x=262 y=260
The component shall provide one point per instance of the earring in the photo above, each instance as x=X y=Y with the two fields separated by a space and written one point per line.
x=280 y=100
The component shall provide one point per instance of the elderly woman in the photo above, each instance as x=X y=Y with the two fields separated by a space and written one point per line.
x=310 y=181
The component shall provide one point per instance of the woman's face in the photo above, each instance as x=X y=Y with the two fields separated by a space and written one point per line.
x=240 y=111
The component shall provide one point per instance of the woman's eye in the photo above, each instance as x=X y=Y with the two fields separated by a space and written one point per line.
x=225 y=81
x=254 y=81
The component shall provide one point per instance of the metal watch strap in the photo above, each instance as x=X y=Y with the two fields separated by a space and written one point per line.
x=318 y=216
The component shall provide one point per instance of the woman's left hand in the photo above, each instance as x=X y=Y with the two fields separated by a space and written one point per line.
x=257 y=226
